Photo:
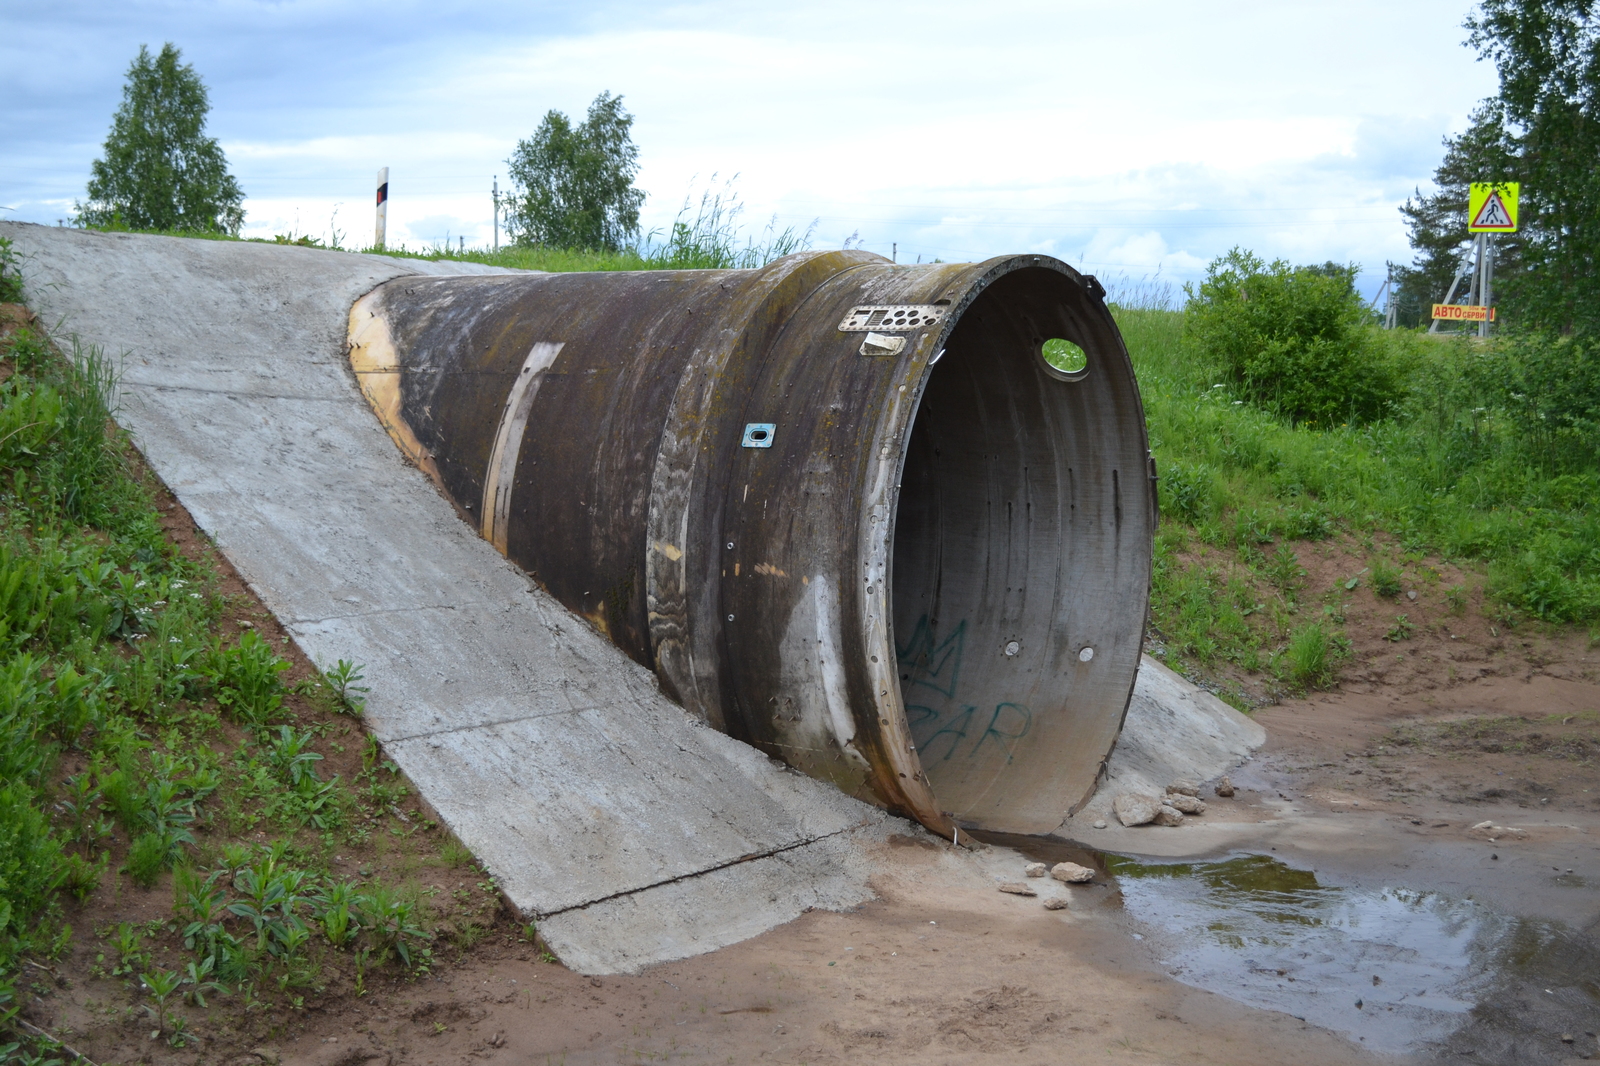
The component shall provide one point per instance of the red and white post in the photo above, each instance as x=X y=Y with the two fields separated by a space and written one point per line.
x=383 y=208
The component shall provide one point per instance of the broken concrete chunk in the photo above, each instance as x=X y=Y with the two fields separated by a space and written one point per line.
x=1136 y=808
x=1036 y=869
x=1225 y=787
x=1071 y=873
x=1055 y=903
x=1016 y=888
x=1184 y=787
x=1168 y=816
x=1186 y=803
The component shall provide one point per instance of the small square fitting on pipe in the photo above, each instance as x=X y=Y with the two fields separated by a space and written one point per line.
x=758 y=434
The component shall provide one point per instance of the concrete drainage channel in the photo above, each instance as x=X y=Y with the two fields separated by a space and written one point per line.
x=986 y=653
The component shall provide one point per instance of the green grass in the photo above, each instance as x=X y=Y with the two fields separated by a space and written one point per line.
x=1447 y=475
x=144 y=752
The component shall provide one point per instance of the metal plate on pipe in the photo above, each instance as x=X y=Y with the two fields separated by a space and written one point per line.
x=888 y=317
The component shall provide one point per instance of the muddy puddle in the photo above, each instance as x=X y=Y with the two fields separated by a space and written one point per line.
x=1398 y=970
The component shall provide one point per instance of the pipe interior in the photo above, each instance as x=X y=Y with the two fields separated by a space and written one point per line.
x=982 y=548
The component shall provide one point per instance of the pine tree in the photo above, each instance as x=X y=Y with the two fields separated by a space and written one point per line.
x=1547 y=53
x=160 y=171
x=1438 y=220
x=573 y=185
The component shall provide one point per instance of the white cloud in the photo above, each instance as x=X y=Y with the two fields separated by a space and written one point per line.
x=1161 y=132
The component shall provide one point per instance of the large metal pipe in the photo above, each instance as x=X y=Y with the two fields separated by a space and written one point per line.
x=846 y=510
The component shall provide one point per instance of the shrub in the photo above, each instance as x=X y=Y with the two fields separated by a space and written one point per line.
x=147 y=858
x=1188 y=492
x=1549 y=388
x=10 y=275
x=1310 y=656
x=1295 y=341
x=248 y=679
x=1386 y=579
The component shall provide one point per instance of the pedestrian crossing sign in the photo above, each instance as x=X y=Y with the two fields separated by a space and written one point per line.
x=1492 y=207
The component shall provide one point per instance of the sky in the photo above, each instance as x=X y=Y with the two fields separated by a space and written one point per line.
x=1137 y=141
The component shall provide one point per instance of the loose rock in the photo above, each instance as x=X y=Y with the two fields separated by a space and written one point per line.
x=1016 y=888
x=1490 y=831
x=1055 y=903
x=1136 y=808
x=1186 y=803
x=1225 y=787
x=1099 y=823
x=1168 y=816
x=1071 y=873
x=1036 y=869
x=1184 y=787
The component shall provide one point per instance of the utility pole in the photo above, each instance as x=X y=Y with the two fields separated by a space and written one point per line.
x=381 y=232
x=1469 y=268
x=1391 y=309
x=1486 y=285
x=495 y=193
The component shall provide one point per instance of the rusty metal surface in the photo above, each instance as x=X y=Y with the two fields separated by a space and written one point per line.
x=927 y=582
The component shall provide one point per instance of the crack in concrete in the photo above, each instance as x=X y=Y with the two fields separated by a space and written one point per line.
x=753 y=856
x=493 y=724
x=231 y=393
x=396 y=610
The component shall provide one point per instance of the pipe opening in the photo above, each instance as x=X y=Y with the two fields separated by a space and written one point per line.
x=1063 y=359
x=1007 y=526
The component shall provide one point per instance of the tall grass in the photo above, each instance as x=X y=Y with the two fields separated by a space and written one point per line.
x=1448 y=473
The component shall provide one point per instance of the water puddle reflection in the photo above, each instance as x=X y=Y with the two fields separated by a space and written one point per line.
x=1394 y=969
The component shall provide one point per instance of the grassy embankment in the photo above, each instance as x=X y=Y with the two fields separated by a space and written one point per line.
x=1459 y=471
x=164 y=751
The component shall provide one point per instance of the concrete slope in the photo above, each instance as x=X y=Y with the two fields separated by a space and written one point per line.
x=1174 y=730
x=632 y=833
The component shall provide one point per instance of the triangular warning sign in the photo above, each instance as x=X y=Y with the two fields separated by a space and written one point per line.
x=1493 y=214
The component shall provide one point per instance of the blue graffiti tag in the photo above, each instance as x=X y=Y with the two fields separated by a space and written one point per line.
x=1017 y=717
x=928 y=662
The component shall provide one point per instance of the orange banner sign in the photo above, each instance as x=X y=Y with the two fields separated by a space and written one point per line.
x=1463 y=312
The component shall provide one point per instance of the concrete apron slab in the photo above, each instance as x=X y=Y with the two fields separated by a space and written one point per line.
x=631 y=832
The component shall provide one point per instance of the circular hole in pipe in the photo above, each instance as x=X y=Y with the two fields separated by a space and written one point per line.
x=1064 y=357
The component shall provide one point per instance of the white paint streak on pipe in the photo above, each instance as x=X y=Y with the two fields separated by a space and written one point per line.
x=831 y=662
x=507 y=449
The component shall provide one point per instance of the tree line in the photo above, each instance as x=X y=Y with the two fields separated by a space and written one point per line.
x=572 y=182
x=1542 y=129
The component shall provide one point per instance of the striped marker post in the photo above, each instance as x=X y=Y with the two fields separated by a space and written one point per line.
x=383 y=207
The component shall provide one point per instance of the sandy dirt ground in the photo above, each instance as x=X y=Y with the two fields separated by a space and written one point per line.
x=1378 y=789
